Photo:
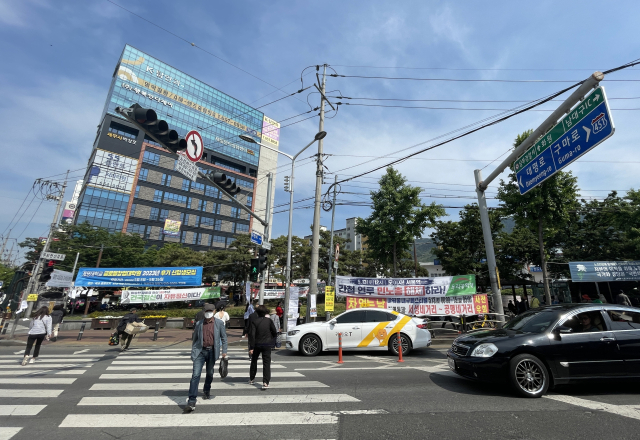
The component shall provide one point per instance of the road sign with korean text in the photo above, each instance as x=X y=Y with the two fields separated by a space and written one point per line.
x=585 y=127
x=187 y=168
x=53 y=256
x=256 y=238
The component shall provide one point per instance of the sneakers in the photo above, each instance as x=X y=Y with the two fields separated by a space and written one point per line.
x=207 y=396
x=251 y=381
x=32 y=360
x=191 y=406
x=244 y=336
x=25 y=361
x=265 y=386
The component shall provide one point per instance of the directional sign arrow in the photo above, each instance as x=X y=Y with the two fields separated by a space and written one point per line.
x=520 y=182
x=588 y=130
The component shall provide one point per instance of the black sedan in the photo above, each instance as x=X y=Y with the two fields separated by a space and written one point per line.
x=553 y=345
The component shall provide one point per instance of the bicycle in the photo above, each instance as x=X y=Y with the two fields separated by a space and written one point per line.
x=484 y=323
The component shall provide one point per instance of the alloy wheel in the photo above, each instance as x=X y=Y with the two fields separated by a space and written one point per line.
x=530 y=376
x=310 y=345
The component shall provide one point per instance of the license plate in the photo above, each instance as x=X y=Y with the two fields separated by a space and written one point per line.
x=452 y=364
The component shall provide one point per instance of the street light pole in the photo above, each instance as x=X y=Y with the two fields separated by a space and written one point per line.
x=266 y=233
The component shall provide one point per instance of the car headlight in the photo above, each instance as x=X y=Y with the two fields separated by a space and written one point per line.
x=293 y=332
x=484 y=350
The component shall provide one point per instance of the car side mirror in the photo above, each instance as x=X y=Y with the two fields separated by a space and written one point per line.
x=333 y=322
x=563 y=329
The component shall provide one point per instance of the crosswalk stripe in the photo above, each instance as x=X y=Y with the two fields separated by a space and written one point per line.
x=176 y=362
x=121 y=357
x=20 y=410
x=27 y=372
x=240 y=385
x=187 y=349
x=57 y=358
x=48 y=366
x=29 y=393
x=7 y=432
x=195 y=420
x=65 y=357
x=36 y=381
x=219 y=400
x=142 y=376
x=232 y=367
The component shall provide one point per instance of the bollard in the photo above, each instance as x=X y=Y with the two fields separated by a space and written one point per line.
x=4 y=319
x=155 y=333
x=399 y=338
x=81 y=331
x=340 y=348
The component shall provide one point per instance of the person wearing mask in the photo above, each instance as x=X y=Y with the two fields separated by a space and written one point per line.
x=262 y=334
x=56 y=319
x=200 y=314
x=280 y=313
x=125 y=338
x=623 y=299
x=209 y=335
x=39 y=328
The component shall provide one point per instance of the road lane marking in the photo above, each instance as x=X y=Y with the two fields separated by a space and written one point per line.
x=219 y=400
x=35 y=393
x=144 y=376
x=630 y=411
x=81 y=351
x=27 y=372
x=7 y=432
x=232 y=367
x=17 y=366
x=236 y=385
x=21 y=410
x=36 y=380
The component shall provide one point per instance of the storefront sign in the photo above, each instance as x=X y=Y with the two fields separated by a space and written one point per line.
x=407 y=287
x=170 y=295
x=270 y=131
x=329 y=298
x=596 y=271
x=140 y=276
x=147 y=95
x=234 y=145
x=121 y=138
x=433 y=306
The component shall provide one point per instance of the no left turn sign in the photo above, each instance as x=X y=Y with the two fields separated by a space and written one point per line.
x=195 y=146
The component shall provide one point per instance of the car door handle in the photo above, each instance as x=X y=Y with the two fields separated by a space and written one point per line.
x=355 y=327
x=605 y=339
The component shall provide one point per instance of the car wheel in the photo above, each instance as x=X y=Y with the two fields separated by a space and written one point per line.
x=529 y=376
x=393 y=344
x=310 y=345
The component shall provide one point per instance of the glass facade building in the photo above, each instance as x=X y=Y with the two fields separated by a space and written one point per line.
x=131 y=184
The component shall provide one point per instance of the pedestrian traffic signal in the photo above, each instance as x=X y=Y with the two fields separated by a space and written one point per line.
x=255 y=270
x=224 y=182
x=47 y=271
x=147 y=120
x=262 y=257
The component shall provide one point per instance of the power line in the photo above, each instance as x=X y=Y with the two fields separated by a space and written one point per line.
x=458 y=108
x=466 y=160
x=456 y=100
x=464 y=69
x=335 y=75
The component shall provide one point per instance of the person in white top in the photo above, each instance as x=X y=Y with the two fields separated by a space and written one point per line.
x=39 y=328
x=221 y=314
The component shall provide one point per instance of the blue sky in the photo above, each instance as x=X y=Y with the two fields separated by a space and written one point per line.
x=59 y=58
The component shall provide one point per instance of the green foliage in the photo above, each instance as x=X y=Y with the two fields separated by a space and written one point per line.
x=6 y=275
x=398 y=217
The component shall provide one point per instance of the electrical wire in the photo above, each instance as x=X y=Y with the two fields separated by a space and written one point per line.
x=475 y=79
x=458 y=108
x=29 y=222
x=468 y=160
x=465 y=69
x=456 y=100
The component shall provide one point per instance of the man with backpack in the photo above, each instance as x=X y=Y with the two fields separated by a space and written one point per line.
x=125 y=338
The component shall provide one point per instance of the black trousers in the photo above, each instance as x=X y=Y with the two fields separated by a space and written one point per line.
x=125 y=336
x=38 y=340
x=266 y=363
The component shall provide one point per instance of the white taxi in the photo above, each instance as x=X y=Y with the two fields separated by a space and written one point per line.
x=366 y=328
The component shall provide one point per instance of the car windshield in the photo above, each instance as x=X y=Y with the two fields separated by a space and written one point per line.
x=533 y=321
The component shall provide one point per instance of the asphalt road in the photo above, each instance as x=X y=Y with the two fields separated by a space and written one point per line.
x=97 y=393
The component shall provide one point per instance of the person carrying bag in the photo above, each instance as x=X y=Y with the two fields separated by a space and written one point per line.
x=125 y=328
x=262 y=335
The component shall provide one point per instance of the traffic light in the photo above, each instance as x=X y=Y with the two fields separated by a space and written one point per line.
x=286 y=184
x=47 y=271
x=147 y=120
x=262 y=258
x=225 y=183
x=255 y=269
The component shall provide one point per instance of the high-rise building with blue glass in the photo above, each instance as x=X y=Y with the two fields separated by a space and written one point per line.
x=131 y=184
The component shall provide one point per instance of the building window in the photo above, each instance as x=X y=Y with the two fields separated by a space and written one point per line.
x=184 y=218
x=151 y=158
x=151 y=141
x=235 y=212
x=143 y=174
x=123 y=130
x=176 y=198
x=157 y=196
x=239 y=227
x=217 y=225
x=160 y=234
x=244 y=183
x=132 y=228
x=202 y=205
x=212 y=191
x=198 y=186
x=183 y=237
x=154 y=213
x=216 y=208
x=164 y=214
x=219 y=239
x=206 y=221
x=133 y=210
x=166 y=180
x=185 y=184
x=249 y=201
x=136 y=194
x=196 y=238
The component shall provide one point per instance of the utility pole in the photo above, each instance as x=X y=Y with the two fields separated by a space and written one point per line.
x=33 y=284
x=86 y=306
x=315 y=241
x=266 y=232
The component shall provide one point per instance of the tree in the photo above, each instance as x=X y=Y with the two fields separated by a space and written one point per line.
x=460 y=245
x=6 y=275
x=398 y=217
x=514 y=250
x=546 y=209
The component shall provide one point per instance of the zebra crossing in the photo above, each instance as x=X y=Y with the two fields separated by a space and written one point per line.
x=147 y=388
x=20 y=386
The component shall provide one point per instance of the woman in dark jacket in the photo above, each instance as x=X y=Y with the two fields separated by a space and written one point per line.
x=56 y=317
x=262 y=335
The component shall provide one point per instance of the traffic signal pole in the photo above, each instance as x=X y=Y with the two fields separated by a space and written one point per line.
x=482 y=185
x=266 y=233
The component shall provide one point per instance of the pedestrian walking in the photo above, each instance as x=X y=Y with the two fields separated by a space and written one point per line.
x=276 y=323
x=209 y=335
x=280 y=313
x=248 y=311
x=535 y=302
x=39 y=329
x=126 y=337
x=222 y=315
x=623 y=299
x=512 y=308
x=262 y=335
x=56 y=319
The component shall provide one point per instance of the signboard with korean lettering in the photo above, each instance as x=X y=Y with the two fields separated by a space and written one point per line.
x=139 y=276
x=169 y=295
x=329 y=298
x=406 y=287
x=171 y=227
x=187 y=168
x=596 y=271
x=585 y=127
x=112 y=171
x=425 y=306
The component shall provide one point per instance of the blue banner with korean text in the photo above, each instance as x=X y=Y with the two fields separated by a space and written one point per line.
x=406 y=287
x=596 y=271
x=139 y=277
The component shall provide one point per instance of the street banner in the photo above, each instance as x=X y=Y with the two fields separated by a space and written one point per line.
x=293 y=304
x=329 y=298
x=460 y=285
x=139 y=277
x=596 y=271
x=277 y=293
x=247 y=292
x=60 y=278
x=169 y=295
x=313 y=310
x=171 y=227
x=438 y=306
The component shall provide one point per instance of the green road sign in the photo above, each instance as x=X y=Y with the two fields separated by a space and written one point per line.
x=588 y=103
